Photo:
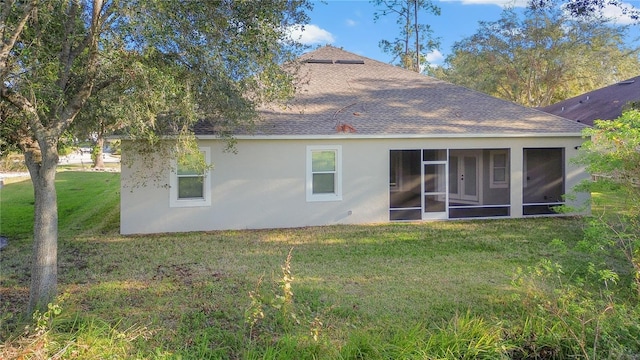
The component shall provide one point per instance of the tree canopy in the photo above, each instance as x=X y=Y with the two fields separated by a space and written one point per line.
x=611 y=155
x=612 y=150
x=541 y=55
x=415 y=40
x=155 y=66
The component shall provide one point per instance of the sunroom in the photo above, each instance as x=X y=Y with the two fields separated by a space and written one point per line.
x=429 y=184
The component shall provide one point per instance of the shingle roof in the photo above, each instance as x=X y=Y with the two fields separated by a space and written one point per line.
x=602 y=104
x=344 y=92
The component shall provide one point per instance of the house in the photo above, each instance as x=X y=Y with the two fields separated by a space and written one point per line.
x=606 y=103
x=366 y=142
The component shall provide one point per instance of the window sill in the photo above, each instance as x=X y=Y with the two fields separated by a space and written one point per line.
x=190 y=203
x=326 y=198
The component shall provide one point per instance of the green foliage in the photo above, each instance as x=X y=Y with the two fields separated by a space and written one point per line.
x=612 y=154
x=611 y=150
x=466 y=337
x=540 y=56
x=395 y=291
x=631 y=105
x=95 y=152
x=12 y=161
x=277 y=313
x=152 y=74
x=148 y=68
x=232 y=65
x=115 y=146
x=415 y=39
x=66 y=150
x=60 y=334
x=565 y=316
x=8 y=121
x=618 y=235
x=363 y=345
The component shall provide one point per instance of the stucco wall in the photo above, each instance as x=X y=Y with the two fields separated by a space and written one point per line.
x=263 y=184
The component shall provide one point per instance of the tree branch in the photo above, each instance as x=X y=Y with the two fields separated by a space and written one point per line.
x=65 y=57
x=9 y=43
x=103 y=14
x=67 y=114
x=26 y=107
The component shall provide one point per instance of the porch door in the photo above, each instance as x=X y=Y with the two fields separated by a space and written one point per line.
x=434 y=189
x=464 y=176
x=544 y=180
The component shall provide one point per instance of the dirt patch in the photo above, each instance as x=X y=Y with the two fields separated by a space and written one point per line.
x=186 y=274
x=14 y=304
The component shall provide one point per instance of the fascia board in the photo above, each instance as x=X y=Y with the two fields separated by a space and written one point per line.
x=392 y=136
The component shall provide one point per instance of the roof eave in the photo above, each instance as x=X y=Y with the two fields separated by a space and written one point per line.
x=394 y=136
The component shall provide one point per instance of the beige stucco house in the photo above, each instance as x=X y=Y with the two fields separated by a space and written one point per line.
x=367 y=142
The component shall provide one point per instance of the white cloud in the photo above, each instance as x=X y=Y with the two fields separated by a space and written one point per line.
x=615 y=14
x=435 y=57
x=610 y=11
x=351 y=22
x=501 y=3
x=310 y=35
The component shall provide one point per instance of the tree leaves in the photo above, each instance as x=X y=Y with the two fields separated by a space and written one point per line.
x=415 y=39
x=146 y=67
x=540 y=56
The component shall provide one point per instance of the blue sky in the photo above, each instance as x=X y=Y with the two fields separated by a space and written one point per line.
x=349 y=24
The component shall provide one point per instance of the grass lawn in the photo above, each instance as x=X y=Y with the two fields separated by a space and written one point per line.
x=192 y=293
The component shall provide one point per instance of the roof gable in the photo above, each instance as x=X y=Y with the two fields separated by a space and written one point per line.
x=341 y=92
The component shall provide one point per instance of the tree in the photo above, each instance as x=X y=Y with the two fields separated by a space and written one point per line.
x=168 y=62
x=540 y=56
x=415 y=39
x=613 y=150
x=99 y=118
x=612 y=155
x=589 y=8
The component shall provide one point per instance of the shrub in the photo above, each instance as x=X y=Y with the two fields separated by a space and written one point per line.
x=56 y=334
x=466 y=337
x=567 y=317
x=12 y=161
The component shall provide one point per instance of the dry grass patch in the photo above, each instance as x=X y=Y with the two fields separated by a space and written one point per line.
x=192 y=290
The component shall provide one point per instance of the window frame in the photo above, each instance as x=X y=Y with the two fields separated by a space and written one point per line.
x=493 y=184
x=396 y=167
x=337 y=194
x=176 y=202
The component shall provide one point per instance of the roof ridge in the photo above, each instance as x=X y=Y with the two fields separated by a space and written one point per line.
x=309 y=55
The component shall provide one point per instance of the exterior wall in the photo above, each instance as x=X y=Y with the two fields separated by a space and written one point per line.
x=263 y=185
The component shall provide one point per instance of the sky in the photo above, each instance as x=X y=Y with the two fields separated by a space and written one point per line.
x=349 y=24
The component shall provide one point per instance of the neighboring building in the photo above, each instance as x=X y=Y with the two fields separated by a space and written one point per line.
x=367 y=142
x=606 y=103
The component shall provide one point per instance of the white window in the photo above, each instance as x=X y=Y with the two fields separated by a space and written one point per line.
x=324 y=173
x=189 y=186
x=499 y=168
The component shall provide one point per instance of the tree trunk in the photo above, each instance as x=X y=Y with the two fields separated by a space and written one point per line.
x=44 y=267
x=406 y=60
x=417 y=30
x=96 y=153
